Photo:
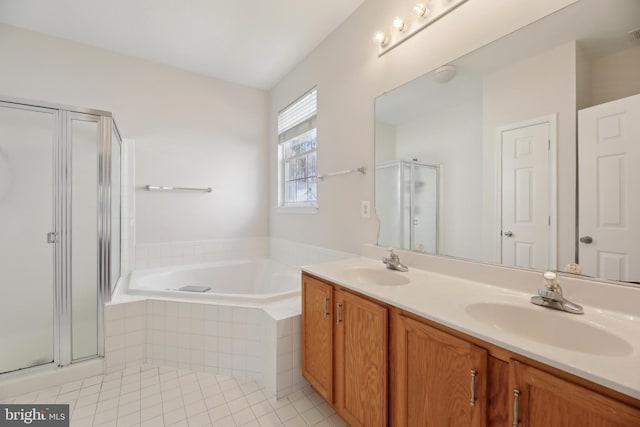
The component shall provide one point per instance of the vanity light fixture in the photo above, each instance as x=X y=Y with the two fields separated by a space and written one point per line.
x=380 y=39
x=420 y=10
x=399 y=24
x=423 y=14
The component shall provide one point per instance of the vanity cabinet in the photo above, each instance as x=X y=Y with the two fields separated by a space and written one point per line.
x=344 y=351
x=438 y=379
x=541 y=399
x=361 y=365
x=317 y=335
x=379 y=365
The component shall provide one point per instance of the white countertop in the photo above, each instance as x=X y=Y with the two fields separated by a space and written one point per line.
x=444 y=299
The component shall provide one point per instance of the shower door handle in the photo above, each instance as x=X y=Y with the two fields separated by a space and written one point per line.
x=52 y=237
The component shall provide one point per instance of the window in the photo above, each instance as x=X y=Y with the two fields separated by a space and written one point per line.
x=297 y=156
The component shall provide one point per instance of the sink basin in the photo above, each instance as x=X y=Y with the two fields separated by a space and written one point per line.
x=549 y=327
x=376 y=276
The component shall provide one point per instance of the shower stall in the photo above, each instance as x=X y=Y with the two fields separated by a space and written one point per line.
x=59 y=231
x=407 y=205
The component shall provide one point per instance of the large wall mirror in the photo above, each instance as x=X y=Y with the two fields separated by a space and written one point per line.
x=525 y=152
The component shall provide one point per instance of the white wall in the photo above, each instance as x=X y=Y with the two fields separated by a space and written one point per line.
x=530 y=89
x=615 y=76
x=190 y=130
x=385 y=149
x=349 y=75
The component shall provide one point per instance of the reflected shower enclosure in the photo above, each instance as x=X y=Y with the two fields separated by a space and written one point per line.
x=60 y=228
x=407 y=205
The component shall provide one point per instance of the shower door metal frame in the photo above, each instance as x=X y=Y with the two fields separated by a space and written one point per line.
x=62 y=221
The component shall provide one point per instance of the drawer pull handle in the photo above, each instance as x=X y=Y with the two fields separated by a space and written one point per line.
x=326 y=307
x=516 y=396
x=473 y=387
x=338 y=313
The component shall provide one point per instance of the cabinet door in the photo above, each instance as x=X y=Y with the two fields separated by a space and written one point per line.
x=544 y=400
x=361 y=360
x=317 y=335
x=439 y=380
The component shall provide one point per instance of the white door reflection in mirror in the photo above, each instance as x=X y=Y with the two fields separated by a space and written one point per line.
x=609 y=201
x=526 y=208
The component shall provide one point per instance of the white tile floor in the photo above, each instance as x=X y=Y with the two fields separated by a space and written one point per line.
x=158 y=396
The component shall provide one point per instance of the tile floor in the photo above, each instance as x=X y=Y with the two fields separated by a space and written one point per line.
x=158 y=396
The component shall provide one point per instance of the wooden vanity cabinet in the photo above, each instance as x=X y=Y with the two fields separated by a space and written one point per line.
x=317 y=335
x=344 y=351
x=438 y=379
x=378 y=365
x=541 y=399
x=361 y=364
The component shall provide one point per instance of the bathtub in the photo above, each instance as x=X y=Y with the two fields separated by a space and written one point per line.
x=246 y=326
x=248 y=282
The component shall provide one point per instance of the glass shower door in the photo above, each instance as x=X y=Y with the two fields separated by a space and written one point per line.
x=389 y=199
x=424 y=213
x=84 y=135
x=26 y=258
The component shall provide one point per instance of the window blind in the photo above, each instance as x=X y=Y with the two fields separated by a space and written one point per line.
x=300 y=111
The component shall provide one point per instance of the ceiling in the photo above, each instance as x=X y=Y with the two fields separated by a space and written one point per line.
x=250 y=42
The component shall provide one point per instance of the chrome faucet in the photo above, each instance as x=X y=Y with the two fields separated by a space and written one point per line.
x=551 y=296
x=393 y=262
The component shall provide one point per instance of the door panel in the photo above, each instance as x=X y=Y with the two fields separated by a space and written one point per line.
x=435 y=375
x=525 y=197
x=361 y=360
x=317 y=335
x=544 y=400
x=26 y=259
x=609 y=203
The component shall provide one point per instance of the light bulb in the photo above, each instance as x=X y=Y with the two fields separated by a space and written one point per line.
x=421 y=10
x=380 y=38
x=398 y=24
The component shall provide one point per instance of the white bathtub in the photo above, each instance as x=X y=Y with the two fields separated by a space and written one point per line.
x=250 y=281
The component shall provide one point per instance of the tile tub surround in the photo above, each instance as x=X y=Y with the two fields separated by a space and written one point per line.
x=243 y=342
x=155 y=396
x=153 y=255
x=299 y=254
x=125 y=333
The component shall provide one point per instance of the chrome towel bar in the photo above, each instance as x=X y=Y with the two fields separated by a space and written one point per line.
x=362 y=170
x=160 y=188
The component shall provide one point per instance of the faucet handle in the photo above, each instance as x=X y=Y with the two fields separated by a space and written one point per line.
x=551 y=281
